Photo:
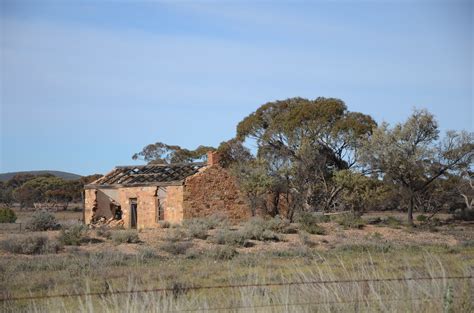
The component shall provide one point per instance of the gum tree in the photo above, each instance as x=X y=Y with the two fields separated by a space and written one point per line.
x=412 y=156
x=304 y=142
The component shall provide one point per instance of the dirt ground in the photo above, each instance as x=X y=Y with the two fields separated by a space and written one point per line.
x=448 y=233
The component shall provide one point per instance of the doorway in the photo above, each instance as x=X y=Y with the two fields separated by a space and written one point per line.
x=133 y=213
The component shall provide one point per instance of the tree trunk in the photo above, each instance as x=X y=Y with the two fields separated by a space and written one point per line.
x=276 y=201
x=410 y=210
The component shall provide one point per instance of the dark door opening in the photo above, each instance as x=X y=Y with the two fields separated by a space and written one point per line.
x=133 y=213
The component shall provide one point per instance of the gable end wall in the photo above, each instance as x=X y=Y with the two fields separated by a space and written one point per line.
x=214 y=190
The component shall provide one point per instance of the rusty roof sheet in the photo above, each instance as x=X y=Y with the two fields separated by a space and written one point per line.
x=152 y=174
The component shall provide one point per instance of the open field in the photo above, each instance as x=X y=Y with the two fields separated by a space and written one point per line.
x=288 y=262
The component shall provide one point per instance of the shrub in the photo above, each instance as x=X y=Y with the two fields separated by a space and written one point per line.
x=103 y=231
x=73 y=236
x=464 y=215
x=176 y=247
x=145 y=254
x=422 y=218
x=41 y=221
x=215 y=220
x=196 y=228
x=253 y=228
x=305 y=239
x=392 y=221
x=165 y=224
x=176 y=234
x=280 y=225
x=227 y=237
x=7 y=215
x=350 y=220
x=222 y=252
x=30 y=244
x=125 y=236
x=308 y=223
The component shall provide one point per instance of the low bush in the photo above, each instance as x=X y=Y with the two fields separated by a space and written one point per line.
x=125 y=236
x=30 y=244
x=146 y=253
x=196 y=228
x=216 y=220
x=165 y=224
x=104 y=232
x=176 y=234
x=41 y=221
x=222 y=252
x=309 y=223
x=280 y=225
x=305 y=239
x=464 y=215
x=7 y=215
x=349 y=220
x=392 y=221
x=258 y=229
x=422 y=218
x=176 y=247
x=73 y=236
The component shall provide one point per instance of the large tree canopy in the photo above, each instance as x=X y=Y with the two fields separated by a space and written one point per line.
x=303 y=142
x=411 y=156
x=324 y=123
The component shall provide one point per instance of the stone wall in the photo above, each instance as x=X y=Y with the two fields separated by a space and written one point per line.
x=214 y=190
x=173 y=204
x=90 y=203
x=146 y=205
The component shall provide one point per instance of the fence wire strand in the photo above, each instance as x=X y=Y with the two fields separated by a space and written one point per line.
x=192 y=288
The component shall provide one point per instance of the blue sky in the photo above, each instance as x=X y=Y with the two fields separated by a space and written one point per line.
x=85 y=84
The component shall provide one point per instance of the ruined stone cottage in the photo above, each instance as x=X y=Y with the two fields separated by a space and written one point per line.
x=143 y=196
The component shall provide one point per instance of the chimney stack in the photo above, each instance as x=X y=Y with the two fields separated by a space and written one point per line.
x=212 y=158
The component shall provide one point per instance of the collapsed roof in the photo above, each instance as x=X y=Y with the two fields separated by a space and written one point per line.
x=147 y=175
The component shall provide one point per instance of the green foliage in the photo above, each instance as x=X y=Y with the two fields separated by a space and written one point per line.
x=257 y=228
x=254 y=181
x=309 y=223
x=280 y=225
x=349 y=220
x=233 y=152
x=302 y=143
x=125 y=236
x=30 y=244
x=224 y=252
x=422 y=218
x=41 y=221
x=196 y=228
x=7 y=215
x=73 y=236
x=411 y=157
x=104 y=231
x=163 y=153
x=392 y=221
x=176 y=247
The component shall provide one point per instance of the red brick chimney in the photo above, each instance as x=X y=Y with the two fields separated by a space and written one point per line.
x=212 y=158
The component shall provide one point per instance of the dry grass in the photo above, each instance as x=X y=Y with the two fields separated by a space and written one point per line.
x=175 y=258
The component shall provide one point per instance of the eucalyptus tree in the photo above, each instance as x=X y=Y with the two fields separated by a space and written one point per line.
x=412 y=156
x=160 y=152
x=304 y=142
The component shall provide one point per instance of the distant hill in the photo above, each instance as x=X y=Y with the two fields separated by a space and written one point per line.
x=63 y=175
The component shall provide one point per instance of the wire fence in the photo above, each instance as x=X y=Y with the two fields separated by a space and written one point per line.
x=309 y=303
x=191 y=288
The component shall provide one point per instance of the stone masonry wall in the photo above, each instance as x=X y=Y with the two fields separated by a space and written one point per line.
x=214 y=190
x=146 y=205
x=173 y=204
x=90 y=202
